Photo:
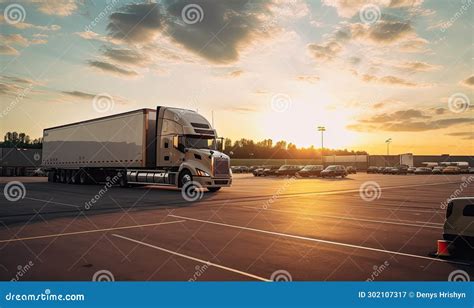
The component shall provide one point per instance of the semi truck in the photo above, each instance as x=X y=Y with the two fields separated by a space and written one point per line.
x=163 y=146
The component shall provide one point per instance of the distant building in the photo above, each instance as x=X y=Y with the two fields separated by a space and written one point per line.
x=19 y=162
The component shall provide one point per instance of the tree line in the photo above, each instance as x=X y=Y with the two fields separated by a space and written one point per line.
x=20 y=140
x=247 y=148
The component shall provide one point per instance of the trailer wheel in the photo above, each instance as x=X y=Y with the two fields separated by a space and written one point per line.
x=213 y=189
x=74 y=177
x=62 y=176
x=184 y=177
x=83 y=177
x=51 y=176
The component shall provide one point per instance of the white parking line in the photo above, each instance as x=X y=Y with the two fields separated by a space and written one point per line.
x=421 y=225
x=321 y=241
x=53 y=202
x=87 y=231
x=192 y=258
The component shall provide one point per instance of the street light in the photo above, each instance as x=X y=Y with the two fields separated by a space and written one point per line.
x=322 y=129
x=388 y=141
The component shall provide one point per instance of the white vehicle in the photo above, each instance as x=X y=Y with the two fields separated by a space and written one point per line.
x=166 y=146
x=459 y=223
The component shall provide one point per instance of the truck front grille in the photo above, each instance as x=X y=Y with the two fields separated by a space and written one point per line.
x=221 y=167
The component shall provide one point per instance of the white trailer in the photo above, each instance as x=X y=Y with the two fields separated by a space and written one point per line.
x=166 y=146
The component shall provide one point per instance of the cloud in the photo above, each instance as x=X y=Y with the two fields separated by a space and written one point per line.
x=326 y=51
x=391 y=81
x=111 y=68
x=417 y=66
x=410 y=120
x=463 y=135
x=236 y=73
x=52 y=7
x=224 y=30
x=79 y=94
x=8 y=50
x=126 y=56
x=24 y=25
x=413 y=46
x=308 y=78
x=349 y=8
x=383 y=32
x=468 y=82
x=14 y=39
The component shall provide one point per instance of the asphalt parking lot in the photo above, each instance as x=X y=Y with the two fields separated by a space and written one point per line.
x=258 y=229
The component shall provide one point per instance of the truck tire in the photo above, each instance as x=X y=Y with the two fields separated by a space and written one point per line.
x=51 y=176
x=213 y=189
x=184 y=177
x=83 y=177
x=68 y=176
x=62 y=176
x=74 y=177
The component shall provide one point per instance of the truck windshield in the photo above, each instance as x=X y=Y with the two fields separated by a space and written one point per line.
x=200 y=142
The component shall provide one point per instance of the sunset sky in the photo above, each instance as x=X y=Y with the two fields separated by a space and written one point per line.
x=367 y=70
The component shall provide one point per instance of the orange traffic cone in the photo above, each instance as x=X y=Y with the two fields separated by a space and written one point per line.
x=443 y=248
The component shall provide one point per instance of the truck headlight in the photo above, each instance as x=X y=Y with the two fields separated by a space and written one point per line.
x=200 y=172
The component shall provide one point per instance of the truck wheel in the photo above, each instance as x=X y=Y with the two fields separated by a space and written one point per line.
x=213 y=189
x=83 y=177
x=68 y=176
x=184 y=177
x=62 y=176
x=123 y=180
x=74 y=177
x=51 y=176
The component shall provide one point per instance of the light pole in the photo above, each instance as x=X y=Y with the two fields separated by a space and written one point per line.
x=322 y=129
x=388 y=141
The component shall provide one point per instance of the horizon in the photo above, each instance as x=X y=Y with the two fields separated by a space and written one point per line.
x=366 y=70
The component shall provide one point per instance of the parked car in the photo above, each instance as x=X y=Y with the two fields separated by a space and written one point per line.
x=310 y=170
x=423 y=170
x=380 y=169
x=437 y=170
x=270 y=170
x=258 y=171
x=411 y=170
x=288 y=170
x=373 y=169
x=351 y=170
x=459 y=223
x=451 y=170
x=399 y=170
x=334 y=171
x=471 y=170
x=387 y=170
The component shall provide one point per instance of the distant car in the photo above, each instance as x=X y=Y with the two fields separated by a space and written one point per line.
x=459 y=223
x=252 y=168
x=471 y=170
x=310 y=170
x=258 y=171
x=411 y=170
x=437 y=170
x=351 y=170
x=423 y=170
x=373 y=169
x=288 y=170
x=399 y=170
x=236 y=169
x=334 y=171
x=451 y=170
x=271 y=170
x=244 y=169
x=387 y=170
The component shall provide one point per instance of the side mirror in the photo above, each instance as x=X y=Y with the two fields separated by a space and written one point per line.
x=220 y=144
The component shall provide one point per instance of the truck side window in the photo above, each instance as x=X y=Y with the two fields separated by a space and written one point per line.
x=468 y=210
